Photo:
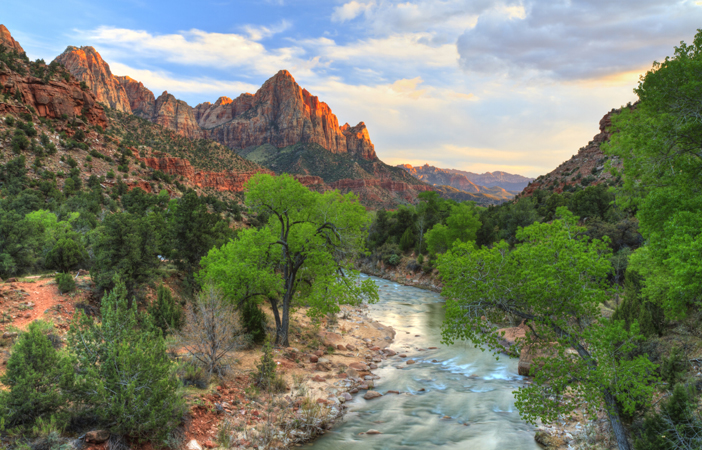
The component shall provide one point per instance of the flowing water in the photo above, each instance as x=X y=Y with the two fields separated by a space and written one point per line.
x=466 y=401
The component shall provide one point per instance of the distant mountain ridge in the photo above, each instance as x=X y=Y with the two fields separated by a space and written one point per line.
x=487 y=183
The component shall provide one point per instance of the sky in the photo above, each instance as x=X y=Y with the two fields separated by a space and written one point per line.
x=478 y=85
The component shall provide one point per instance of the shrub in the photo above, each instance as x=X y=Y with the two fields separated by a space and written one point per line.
x=165 y=312
x=126 y=375
x=110 y=175
x=393 y=260
x=9 y=120
x=211 y=330
x=65 y=282
x=37 y=379
x=190 y=373
x=254 y=321
x=676 y=426
x=420 y=259
x=66 y=254
x=673 y=366
x=267 y=377
x=19 y=142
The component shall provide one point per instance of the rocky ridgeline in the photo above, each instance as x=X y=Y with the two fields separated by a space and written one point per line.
x=280 y=113
x=586 y=168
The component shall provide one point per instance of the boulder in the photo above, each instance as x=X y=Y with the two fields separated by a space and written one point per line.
x=351 y=347
x=330 y=339
x=372 y=394
x=548 y=440
x=411 y=361
x=97 y=436
x=313 y=358
x=359 y=366
x=373 y=432
x=389 y=352
x=193 y=445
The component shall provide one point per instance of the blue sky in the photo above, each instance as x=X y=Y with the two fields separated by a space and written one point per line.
x=480 y=85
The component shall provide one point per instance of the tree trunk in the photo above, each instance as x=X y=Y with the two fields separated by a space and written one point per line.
x=282 y=334
x=615 y=421
x=276 y=316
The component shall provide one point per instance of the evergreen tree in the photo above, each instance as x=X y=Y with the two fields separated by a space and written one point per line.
x=165 y=312
x=37 y=377
x=126 y=376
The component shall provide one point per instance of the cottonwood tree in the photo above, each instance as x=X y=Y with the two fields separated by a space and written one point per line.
x=303 y=254
x=658 y=142
x=555 y=281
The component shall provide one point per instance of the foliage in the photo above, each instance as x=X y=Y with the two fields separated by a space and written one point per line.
x=254 y=321
x=635 y=308
x=66 y=255
x=676 y=426
x=461 y=225
x=38 y=379
x=125 y=375
x=266 y=376
x=304 y=252
x=555 y=279
x=65 y=282
x=658 y=142
x=125 y=245
x=165 y=312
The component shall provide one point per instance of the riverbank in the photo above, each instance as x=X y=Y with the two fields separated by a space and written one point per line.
x=574 y=432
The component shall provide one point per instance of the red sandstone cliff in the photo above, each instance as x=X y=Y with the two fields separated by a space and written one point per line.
x=53 y=98
x=280 y=113
x=141 y=100
x=176 y=115
x=8 y=41
x=85 y=64
x=358 y=141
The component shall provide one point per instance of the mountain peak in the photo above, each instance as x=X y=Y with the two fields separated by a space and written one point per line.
x=86 y=64
x=8 y=41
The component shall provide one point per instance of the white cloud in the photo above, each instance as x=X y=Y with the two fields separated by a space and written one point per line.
x=257 y=33
x=350 y=10
x=576 y=39
x=159 y=81
x=197 y=47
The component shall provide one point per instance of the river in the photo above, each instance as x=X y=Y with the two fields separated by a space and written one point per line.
x=454 y=397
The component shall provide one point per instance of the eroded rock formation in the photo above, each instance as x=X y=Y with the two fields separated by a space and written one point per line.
x=8 y=41
x=141 y=100
x=87 y=65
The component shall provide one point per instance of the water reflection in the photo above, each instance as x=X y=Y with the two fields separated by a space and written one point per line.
x=454 y=397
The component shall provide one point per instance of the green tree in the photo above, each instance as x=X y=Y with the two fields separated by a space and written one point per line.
x=304 y=253
x=125 y=245
x=461 y=225
x=38 y=378
x=66 y=254
x=20 y=243
x=165 y=312
x=658 y=142
x=126 y=376
x=193 y=231
x=555 y=280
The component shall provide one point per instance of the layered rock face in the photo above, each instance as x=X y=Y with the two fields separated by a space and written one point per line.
x=358 y=141
x=141 y=100
x=8 y=41
x=176 y=115
x=280 y=113
x=220 y=181
x=53 y=99
x=87 y=65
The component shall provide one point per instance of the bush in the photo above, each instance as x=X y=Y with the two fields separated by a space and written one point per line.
x=393 y=260
x=65 y=282
x=110 y=175
x=190 y=373
x=267 y=377
x=37 y=379
x=126 y=377
x=9 y=120
x=673 y=366
x=165 y=312
x=254 y=321
x=676 y=426
x=420 y=259
x=211 y=330
x=66 y=255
